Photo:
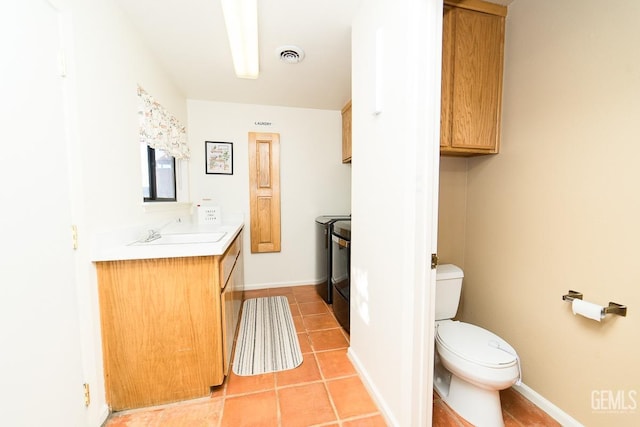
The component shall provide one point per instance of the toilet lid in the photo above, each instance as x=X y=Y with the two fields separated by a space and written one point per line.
x=475 y=344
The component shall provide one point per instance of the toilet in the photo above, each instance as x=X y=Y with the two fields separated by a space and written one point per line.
x=472 y=364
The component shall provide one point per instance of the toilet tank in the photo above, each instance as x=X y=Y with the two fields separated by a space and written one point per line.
x=448 y=288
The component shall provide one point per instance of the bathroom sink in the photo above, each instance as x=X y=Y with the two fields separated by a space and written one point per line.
x=184 y=238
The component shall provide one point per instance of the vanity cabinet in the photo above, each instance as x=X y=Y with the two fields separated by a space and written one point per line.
x=232 y=282
x=346 y=133
x=168 y=325
x=472 y=63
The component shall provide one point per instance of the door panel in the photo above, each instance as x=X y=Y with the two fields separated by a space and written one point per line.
x=39 y=325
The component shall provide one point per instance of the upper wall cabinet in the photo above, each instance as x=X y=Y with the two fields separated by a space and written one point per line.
x=472 y=62
x=346 y=133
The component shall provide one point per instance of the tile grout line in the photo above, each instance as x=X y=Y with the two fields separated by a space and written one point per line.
x=326 y=380
x=513 y=418
x=326 y=388
x=322 y=376
x=451 y=415
x=278 y=406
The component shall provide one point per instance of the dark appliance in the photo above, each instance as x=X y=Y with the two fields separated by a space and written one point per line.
x=324 y=226
x=341 y=271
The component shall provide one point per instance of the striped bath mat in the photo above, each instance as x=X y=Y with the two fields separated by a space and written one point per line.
x=267 y=341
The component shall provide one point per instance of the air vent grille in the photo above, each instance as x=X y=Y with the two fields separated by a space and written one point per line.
x=290 y=54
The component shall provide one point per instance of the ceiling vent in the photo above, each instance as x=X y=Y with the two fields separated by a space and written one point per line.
x=290 y=54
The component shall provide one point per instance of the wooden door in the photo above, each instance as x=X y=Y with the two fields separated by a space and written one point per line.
x=41 y=302
x=264 y=186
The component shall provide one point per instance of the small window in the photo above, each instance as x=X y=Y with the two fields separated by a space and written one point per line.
x=158 y=175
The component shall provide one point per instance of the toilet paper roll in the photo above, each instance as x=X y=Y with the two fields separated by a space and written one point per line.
x=587 y=309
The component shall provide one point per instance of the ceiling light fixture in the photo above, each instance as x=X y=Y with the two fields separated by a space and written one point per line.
x=241 y=19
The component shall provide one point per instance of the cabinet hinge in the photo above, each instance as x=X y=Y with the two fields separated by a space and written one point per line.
x=74 y=236
x=62 y=64
x=87 y=394
x=434 y=261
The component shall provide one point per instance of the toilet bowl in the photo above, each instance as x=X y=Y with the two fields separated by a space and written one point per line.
x=472 y=364
x=476 y=355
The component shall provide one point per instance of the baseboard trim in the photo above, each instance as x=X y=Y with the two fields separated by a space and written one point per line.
x=372 y=389
x=554 y=412
x=260 y=286
x=527 y=392
x=104 y=414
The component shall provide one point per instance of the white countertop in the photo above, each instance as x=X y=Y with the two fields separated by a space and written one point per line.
x=117 y=246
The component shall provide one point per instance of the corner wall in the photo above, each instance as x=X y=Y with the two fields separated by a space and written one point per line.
x=452 y=210
x=558 y=208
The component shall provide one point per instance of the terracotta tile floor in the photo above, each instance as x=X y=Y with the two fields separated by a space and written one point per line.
x=516 y=412
x=324 y=391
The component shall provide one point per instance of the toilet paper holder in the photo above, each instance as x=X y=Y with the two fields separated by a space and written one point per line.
x=612 y=308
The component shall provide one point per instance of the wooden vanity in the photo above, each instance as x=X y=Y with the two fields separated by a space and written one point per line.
x=168 y=325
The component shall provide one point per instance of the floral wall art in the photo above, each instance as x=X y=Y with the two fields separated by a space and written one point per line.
x=219 y=157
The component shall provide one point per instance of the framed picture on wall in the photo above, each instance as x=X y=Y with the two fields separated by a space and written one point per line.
x=219 y=157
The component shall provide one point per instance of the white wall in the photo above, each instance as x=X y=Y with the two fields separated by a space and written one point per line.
x=105 y=61
x=313 y=180
x=394 y=185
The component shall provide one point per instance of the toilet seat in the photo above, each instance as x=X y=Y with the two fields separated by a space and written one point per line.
x=475 y=345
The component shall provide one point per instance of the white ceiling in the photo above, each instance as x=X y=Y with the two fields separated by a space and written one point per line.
x=189 y=39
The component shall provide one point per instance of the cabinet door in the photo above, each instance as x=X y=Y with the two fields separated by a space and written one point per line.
x=160 y=330
x=228 y=323
x=448 y=25
x=472 y=81
x=231 y=302
x=229 y=260
x=238 y=285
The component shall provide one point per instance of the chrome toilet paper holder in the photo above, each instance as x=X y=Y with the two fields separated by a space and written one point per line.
x=612 y=308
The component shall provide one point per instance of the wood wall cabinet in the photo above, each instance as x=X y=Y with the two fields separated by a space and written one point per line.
x=346 y=133
x=472 y=63
x=166 y=335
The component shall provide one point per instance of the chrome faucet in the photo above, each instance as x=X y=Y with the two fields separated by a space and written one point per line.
x=152 y=235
